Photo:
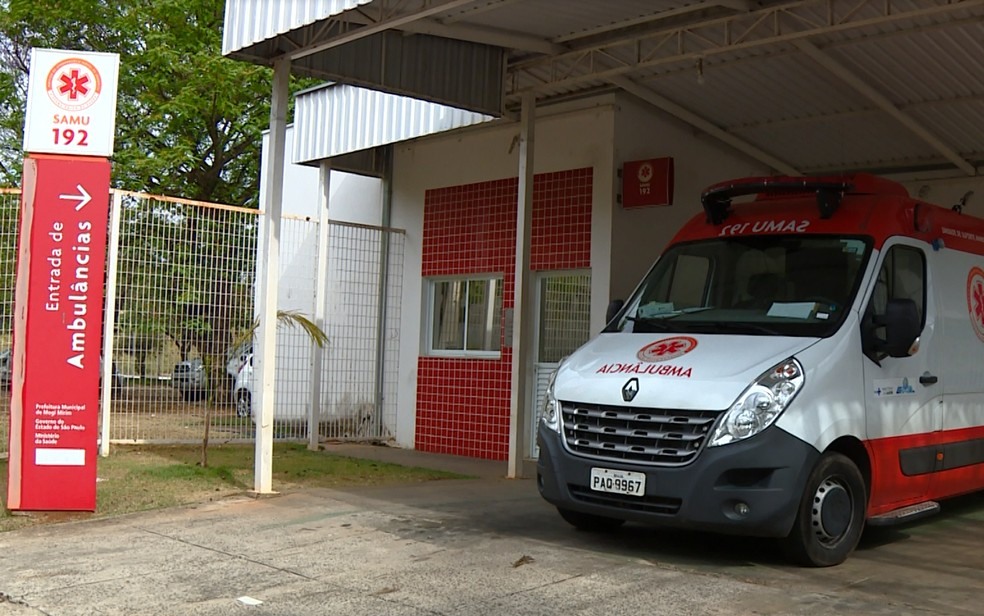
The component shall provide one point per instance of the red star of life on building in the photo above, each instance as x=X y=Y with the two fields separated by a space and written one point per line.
x=73 y=84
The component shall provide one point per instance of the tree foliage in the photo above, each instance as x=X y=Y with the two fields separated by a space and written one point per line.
x=189 y=121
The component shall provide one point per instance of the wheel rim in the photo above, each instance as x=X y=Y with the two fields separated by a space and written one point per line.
x=242 y=408
x=832 y=514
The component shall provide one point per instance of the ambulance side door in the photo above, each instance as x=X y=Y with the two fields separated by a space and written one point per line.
x=903 y=395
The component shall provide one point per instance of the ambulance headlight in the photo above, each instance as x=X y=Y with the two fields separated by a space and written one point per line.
x=550 y=411
x=761 y=404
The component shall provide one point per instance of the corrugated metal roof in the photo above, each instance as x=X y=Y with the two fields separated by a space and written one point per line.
x=342 y=119
x=761 y=81
x=855 y=141
x=250 y=21
x=459 y=73
x=557 y=20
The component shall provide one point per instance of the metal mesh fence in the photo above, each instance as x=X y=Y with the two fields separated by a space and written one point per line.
x=184 y=300
x=185 y=305
x=9 y=207
x=365 y=266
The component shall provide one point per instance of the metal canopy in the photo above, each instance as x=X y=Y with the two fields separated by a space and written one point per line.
x=348 y=124
x=805 y=86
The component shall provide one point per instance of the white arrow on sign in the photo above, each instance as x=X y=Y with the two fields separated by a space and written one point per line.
x=82 y=198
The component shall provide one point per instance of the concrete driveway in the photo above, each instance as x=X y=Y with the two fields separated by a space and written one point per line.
x=468 y=547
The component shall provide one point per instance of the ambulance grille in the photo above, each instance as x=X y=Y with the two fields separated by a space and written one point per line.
x=650 y=436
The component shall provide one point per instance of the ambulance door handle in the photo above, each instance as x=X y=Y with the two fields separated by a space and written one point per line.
x=927 y=379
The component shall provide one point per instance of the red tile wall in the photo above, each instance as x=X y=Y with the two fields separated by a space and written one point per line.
x=463 y=404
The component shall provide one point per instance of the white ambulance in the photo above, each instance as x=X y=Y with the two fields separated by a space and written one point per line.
x=795 y=365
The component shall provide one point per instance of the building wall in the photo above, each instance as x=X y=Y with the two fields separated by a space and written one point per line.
x=463 y=403
x=476 y=156
x=352 y=198
x=947 y=192
x=640 y=235
x=599 y=134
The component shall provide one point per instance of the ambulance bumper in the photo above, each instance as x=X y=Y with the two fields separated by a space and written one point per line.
x=752 y=487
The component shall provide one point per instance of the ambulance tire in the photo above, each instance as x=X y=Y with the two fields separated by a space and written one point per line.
x=831 y=514
x=589 y=522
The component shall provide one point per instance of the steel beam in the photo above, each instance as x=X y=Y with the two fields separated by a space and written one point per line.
x=783 y=23
x=389 y=19
x=522 y=334
x=700 y=123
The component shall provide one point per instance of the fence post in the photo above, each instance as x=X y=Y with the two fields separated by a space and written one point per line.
x=383 y=296
x=109 y=322
x=320 y=299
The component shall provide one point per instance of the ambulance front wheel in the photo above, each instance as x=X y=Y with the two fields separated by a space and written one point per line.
x=831 y=513
x=589 y=522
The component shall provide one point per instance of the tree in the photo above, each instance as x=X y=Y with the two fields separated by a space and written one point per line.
x=189 y=124
x=189 y=121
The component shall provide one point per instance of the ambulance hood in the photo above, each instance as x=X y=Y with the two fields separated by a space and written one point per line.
x=681 y=371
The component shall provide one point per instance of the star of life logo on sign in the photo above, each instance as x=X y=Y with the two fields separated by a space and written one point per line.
x=667 y=349
x=975 y=300
x=71 y=103
x=74 y=84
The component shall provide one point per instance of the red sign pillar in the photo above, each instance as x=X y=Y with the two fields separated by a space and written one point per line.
x=58 y=307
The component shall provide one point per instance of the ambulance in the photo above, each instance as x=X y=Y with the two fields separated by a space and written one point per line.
x=805 y=358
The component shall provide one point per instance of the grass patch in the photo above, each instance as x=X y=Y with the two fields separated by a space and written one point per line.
x=138 y=478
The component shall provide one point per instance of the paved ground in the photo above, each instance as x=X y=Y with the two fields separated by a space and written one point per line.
x=468 y=547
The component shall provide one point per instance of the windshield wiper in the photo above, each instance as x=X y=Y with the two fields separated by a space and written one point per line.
x=666 y=316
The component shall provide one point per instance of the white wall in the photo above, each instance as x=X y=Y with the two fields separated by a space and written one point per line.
x=640 y=235
x=948 y=192
x=567 y=137
x=352 y=198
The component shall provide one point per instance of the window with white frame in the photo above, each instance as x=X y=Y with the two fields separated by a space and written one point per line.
x=465 y=316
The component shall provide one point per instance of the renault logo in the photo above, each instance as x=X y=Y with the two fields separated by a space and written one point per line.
x=630 y=389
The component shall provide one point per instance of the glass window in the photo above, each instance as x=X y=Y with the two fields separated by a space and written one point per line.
x=791 y=285
x=902 y=276
x=466 y=316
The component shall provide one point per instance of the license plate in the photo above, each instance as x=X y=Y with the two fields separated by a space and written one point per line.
x=618 y=482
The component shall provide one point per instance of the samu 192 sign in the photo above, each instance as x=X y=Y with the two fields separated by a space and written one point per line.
x=71 y=103
x=58 y=300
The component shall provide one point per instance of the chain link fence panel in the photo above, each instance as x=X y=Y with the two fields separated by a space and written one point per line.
x=186 y=275
x=9 y=208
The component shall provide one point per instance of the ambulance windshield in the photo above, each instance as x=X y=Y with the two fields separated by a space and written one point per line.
x=791 y=285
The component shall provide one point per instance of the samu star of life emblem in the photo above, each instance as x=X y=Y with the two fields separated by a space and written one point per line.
x=975 y=300
x=630 y=389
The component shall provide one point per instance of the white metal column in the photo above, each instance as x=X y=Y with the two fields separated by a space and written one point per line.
x=109 y=322
x=522 y=338
x=320 y=296
x=269 y=284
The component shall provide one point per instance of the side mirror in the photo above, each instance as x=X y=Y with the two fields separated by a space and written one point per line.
x=902 y=327
x=614 y=307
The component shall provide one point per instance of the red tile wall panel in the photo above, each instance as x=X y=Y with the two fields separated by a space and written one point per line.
x=463 y=404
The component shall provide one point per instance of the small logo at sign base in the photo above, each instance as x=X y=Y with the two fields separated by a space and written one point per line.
x=630 y=389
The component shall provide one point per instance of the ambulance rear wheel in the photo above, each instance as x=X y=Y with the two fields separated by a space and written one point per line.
x=589 y=522
x=831 y=514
